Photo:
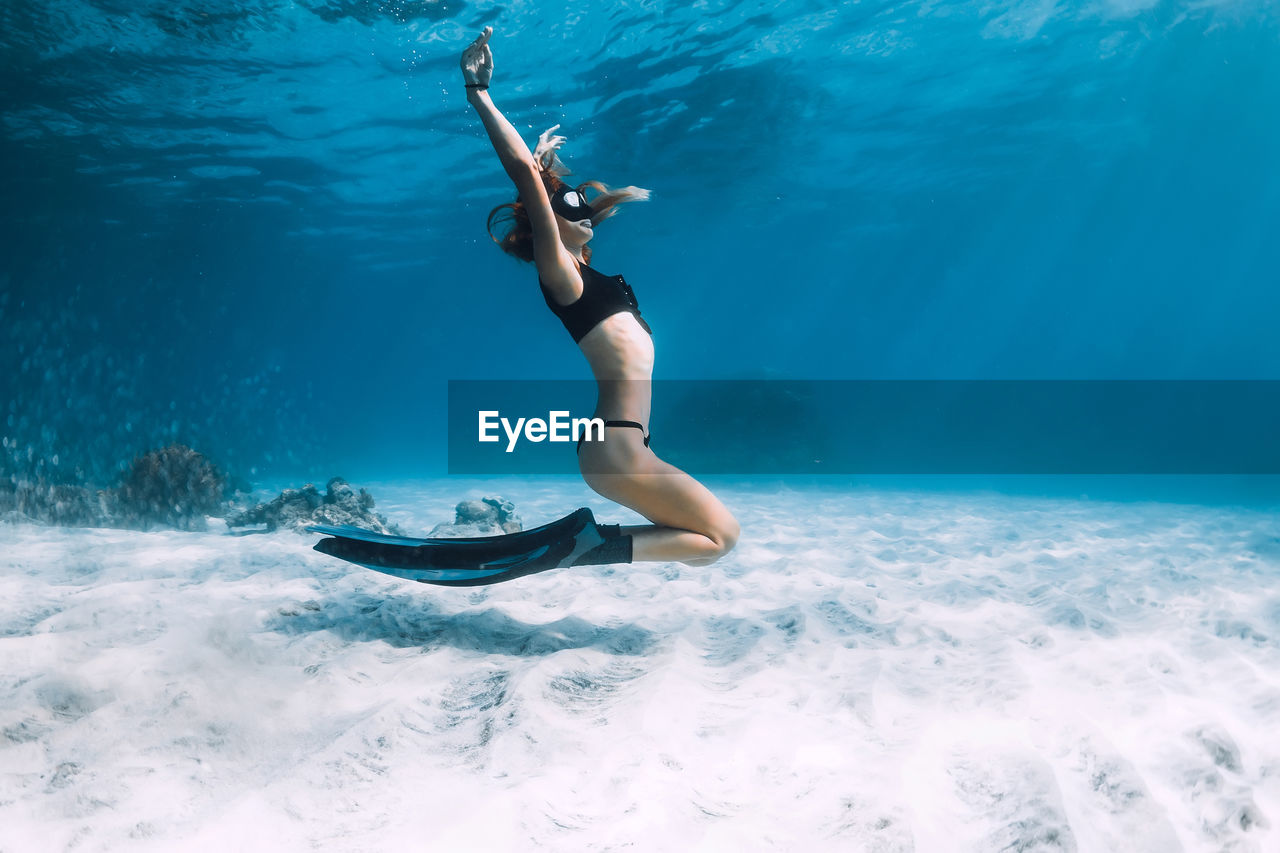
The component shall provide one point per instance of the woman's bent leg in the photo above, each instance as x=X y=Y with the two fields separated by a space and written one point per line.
x=691 y=525
x=652 y=543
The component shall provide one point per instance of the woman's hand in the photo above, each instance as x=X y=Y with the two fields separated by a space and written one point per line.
x=477 y=61
x=545 y=154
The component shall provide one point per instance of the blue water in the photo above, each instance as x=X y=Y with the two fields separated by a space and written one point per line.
x=258 y=228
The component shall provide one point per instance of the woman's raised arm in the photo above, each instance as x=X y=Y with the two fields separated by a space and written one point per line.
x=554 y=261
x=477 y=70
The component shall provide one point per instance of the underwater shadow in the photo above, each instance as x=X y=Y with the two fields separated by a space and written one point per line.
x=410 y=622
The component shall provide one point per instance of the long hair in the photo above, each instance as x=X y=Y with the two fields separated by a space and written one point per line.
x=517 y=240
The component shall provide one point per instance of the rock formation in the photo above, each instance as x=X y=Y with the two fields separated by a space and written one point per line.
x=297 y=508
x=489 y=516
x=171 y=487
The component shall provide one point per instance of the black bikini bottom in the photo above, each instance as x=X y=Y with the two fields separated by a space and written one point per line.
x=632 y=424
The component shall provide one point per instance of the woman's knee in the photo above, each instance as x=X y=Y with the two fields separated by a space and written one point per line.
x=723 y=538
x=728 y=537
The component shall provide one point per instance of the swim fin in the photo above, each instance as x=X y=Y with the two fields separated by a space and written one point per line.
x=575 y=540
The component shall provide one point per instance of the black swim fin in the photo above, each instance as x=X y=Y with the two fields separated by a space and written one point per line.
x=575 y=540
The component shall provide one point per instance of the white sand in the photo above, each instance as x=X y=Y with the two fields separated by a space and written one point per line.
x=867 y=671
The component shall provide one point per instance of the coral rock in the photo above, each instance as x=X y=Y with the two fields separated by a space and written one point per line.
x=297 y=508
x=489 y=516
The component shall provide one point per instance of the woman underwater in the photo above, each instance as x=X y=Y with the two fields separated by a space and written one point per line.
x=551 y=226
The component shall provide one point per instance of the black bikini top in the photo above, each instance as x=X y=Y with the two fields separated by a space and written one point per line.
x=602 y=296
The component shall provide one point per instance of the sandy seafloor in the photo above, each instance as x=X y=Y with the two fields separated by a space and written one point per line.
x=869 y=670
